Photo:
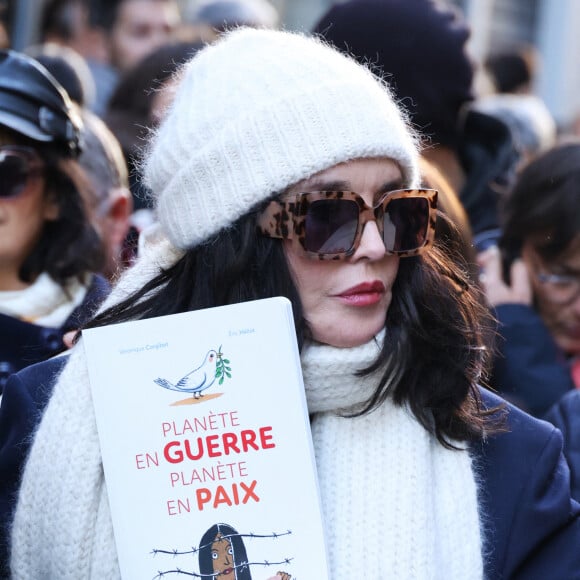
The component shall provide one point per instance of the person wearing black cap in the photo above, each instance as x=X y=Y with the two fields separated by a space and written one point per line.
x=419 y=46
x=49 y=248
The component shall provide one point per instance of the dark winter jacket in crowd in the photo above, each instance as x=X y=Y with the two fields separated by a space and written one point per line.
x=531 y=525
x=529 y=370
x=23 y=343
x=565 y=414
x=489 y=158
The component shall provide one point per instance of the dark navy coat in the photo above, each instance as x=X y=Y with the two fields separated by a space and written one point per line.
x=23 y=343
x=530 y=370
x=25 y=396
x=531 y=524
x=565 y=414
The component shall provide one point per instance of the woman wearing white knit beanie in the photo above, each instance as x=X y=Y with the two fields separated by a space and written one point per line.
x=265 y=134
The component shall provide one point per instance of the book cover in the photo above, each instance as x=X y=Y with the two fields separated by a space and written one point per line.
x=206 y=445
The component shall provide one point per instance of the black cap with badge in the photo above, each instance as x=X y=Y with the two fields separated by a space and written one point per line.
x=34 y=104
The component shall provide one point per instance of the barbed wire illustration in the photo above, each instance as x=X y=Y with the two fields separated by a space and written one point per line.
x=213 y=558
x=242 y=565
x=194 y=550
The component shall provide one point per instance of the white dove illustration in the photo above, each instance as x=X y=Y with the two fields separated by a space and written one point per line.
x=197 y=380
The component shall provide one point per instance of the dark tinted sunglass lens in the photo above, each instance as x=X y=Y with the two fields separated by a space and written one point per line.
x=406 y=224
x=331 y=226
x=13 y=175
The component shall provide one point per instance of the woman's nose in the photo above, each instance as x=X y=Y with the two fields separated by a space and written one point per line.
x=372 y=246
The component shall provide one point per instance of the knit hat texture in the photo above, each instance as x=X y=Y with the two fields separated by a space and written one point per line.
x=257 y=112
x=419 y=46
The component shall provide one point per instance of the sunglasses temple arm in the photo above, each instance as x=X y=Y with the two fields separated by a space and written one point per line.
x=276 y=221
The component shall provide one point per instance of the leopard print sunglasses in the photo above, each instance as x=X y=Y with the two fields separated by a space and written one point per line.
x=328 y=225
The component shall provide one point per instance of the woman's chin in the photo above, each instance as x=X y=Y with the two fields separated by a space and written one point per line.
x=349 y=338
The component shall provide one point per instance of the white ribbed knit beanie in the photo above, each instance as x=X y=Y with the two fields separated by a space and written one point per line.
x=257 y=112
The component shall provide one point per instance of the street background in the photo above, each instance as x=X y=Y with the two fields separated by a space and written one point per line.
x=551 y=26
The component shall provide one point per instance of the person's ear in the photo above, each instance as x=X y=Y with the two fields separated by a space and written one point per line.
x=120 y=208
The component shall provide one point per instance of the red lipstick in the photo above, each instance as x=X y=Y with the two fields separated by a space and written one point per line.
x=365 y=294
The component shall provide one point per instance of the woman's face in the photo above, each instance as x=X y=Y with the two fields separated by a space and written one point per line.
x=22 y=218
x=345 y=302
x=223 y=557
x=141 y=27
x=557 y=296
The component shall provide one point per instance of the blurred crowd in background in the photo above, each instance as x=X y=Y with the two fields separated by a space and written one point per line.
x=506 y=172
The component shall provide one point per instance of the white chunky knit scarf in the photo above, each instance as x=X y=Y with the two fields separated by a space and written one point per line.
x=44 y=302
x=62 y=528
x=397 y=504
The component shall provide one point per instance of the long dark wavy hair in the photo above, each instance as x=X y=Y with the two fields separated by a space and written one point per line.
x=239 y=556
x=544 y=205
x=435 y=351
x=69 y=247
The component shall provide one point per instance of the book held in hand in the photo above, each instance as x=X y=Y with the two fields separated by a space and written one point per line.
x=206 y=445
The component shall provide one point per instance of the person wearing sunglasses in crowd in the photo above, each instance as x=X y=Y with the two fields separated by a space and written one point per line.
x=302 y=181
x=101 y=159
x=533 y=283
x=106 y=195
x=49 y=248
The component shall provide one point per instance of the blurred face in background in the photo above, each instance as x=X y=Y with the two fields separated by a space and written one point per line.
x=108 y=195
x=142 y=26
x=556 y=285
x=70 y=26
x=25 y=206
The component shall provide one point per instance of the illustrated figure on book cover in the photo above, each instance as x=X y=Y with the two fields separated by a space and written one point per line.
x=223 y=556
x=214 y=367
